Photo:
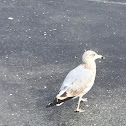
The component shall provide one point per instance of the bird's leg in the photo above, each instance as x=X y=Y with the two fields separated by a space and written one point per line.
x=79 y=110
x=84 y=99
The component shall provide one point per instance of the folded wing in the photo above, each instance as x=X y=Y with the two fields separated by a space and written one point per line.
x=77 y=82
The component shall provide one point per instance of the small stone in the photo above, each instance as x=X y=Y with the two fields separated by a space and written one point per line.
x=10 y=18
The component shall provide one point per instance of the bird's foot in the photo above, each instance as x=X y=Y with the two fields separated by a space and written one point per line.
x=84 y=100
x=79 y=110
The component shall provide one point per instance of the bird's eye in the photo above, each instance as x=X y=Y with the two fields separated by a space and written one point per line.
x=93 y=54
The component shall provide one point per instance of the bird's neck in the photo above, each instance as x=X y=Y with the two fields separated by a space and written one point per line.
x=90 y=65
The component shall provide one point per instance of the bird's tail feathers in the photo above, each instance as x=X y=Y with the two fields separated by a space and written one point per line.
x=58 y=102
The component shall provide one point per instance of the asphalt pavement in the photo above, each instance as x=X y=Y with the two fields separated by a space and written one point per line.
x=41 y=41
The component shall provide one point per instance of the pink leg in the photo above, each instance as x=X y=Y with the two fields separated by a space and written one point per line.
x=78 y=109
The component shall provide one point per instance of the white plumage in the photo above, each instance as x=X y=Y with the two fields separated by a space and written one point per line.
x=78 y=81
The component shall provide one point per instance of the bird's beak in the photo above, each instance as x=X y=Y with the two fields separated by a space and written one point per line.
x=100 y=57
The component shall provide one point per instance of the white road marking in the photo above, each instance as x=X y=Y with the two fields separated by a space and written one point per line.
x=109 y=2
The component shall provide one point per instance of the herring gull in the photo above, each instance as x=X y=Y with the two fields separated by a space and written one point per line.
x=78 y=81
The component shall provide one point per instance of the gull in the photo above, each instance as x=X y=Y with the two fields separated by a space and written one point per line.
x=78 y=81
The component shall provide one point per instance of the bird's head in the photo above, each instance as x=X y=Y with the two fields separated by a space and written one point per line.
x=91 y=56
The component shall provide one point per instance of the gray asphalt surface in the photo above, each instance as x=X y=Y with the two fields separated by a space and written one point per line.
x=41 y=41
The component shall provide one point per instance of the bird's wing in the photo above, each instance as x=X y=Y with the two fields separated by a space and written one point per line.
x=75 y=82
